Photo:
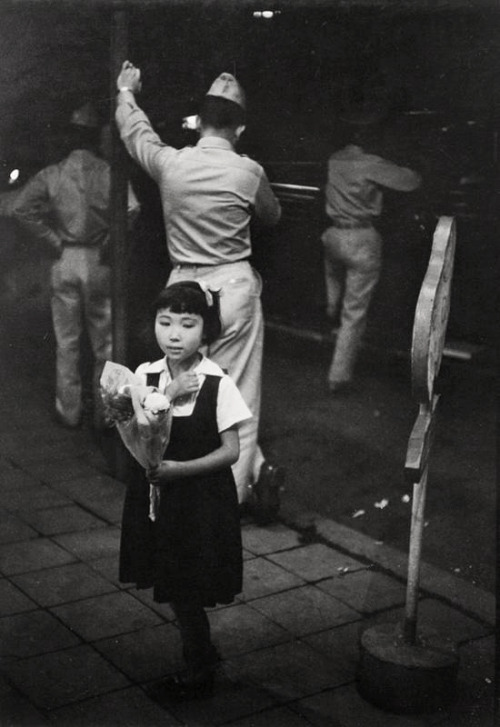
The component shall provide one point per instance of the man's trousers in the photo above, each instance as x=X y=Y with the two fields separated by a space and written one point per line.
x=352 y=268
x=238 y=350
x=80 y=296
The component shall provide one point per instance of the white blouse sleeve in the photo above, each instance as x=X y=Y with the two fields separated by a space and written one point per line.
x=231 y=408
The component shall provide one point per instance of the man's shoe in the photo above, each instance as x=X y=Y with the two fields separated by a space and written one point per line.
x=339 y=388
x=63 y=422
x=266 y=492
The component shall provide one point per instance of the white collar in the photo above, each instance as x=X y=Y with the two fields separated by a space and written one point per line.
x=205 y=366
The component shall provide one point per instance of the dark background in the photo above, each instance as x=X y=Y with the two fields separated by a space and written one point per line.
x=429 y=80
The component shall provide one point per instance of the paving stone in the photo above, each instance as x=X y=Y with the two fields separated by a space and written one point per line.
x=33 y=498
x=13 y=530
x=340 y=646
x=60 y=471
x=367 y=591
x=433 y=615
x=281 y=717
x=16 y=710
x=12 y=600
x=247 y=555
x=231 y=701
x=475 y=693
x=344 y=707
x=66 y=583
x=99 y=494
x=147 y=654
x=239 y=629
x=64 y=677
x=50 y=450
x=93 y=544
x=61 y=520
x=28 y=634
x=270 y=539
x=145 y=595
x=287 y=671
x=32 y=555
x=13 y=478
x=316 y=561
x=106 y=615
x=305 y=610
x=128 y=707
x=261 y=577
x=108 y=568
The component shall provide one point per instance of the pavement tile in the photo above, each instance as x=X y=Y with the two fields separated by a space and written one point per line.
x=107 y=615
x=475 y=692
x=247 y=555
x=108 y=568
x=435 y=616
x=32 y=555
x=145 y=596
x=14 y=478
x=367 y=591
x=12 y=529
x=231 y=701
x=340 y=645
x=305 y=610
x=281 y=717
x=344 y=707
x=313 y=562
x=59 y=520
x=239 y=629
x=60 y=471
x=50 y=450
x=145 y=655
x=100 y=495
x=270 y=539
x=29 y=634
x=16 y=710
x=128 y=707
x=287 y=671
x=32 y=498
x=12 y=600
x=260 y=577
x=93 y=544
x=66 y=583
x=64 y=677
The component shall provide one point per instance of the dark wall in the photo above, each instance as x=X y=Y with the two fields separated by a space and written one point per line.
x=432 y=78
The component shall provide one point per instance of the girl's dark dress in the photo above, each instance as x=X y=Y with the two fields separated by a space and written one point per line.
x=193 y=549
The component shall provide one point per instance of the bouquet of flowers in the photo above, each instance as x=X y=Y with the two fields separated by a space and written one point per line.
x=142 y=416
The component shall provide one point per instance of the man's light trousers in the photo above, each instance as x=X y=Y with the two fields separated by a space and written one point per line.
x=80 y=296
x=352 y=268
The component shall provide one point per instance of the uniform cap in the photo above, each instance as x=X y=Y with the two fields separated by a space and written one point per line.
x=226 y=86
x=85 y=116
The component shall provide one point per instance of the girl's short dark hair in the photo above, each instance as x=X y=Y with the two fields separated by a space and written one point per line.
x=189 y=297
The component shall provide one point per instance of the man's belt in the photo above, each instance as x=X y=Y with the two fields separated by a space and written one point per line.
x=211 y=265
x=351 y=224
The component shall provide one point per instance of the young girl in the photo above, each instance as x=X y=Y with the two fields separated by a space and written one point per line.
x=191 y=553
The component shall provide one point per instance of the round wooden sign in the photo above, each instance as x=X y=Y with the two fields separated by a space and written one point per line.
x=431 y=315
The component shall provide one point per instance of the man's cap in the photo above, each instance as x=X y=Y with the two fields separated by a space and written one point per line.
x=226 y=86
x=85 y=116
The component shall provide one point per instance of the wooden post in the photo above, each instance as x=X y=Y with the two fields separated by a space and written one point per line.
x=119 y=226
x=119 y=182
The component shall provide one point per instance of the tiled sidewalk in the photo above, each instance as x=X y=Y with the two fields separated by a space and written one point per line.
x=78 y=649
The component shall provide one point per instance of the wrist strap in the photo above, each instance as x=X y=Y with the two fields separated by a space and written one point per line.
x=125 y=88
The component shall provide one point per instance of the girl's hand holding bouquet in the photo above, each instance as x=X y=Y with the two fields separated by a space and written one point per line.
x=142 y=416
